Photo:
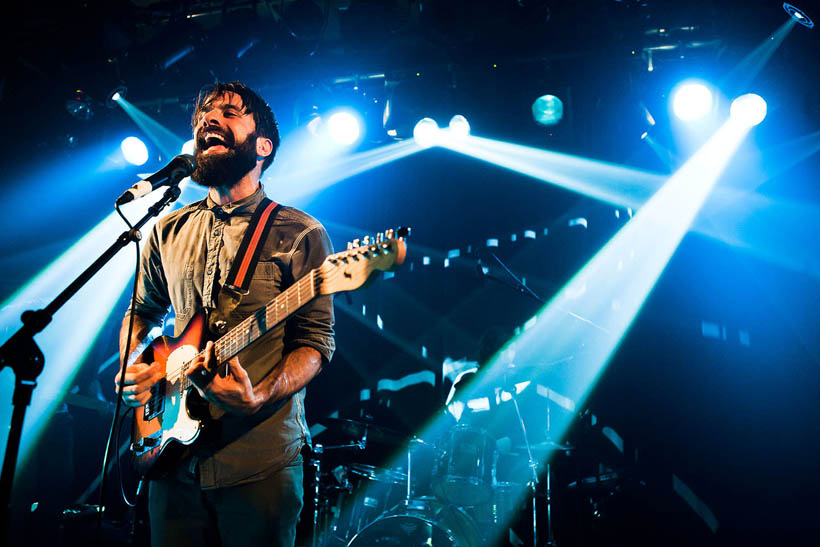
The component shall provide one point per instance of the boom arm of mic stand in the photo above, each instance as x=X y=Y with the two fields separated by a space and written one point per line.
x=21 y=353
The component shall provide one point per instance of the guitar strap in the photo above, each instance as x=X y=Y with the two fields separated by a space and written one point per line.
x=239 y=278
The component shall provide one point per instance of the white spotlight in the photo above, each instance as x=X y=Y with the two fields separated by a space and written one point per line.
x=188 y=147
x=748 y=110
x=134 y=151
x=426 y=132
x=692 y=101
x=459 y=126
x=344 y=127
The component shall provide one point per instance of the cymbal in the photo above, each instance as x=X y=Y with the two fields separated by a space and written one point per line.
x=358 y=430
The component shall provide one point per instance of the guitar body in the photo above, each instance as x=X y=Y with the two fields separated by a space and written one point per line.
x=165 y=418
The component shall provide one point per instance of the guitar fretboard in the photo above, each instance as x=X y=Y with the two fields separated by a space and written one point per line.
x=263 y=320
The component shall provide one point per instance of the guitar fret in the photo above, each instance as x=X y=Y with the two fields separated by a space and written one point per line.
x=258 y=323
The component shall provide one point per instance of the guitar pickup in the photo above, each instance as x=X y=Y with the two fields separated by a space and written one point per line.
x=156 y=404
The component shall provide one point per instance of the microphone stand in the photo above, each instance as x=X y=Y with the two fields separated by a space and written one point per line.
x=21 y=353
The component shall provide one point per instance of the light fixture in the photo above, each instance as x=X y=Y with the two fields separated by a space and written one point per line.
x=79 y=105
x=798 y=15
x=459 y=126
x=134 y=151
x=344 y=127
x=691 y=101
x=547 y=110
x=115 y=95
x=425 y=133
x=748 y=110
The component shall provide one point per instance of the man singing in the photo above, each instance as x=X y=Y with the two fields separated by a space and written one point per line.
x=240 y=482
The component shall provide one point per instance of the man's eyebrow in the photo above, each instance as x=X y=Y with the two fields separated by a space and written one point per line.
x=224 y=106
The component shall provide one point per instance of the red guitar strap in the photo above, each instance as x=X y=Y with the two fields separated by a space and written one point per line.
x=239 y=278
x=244 y=264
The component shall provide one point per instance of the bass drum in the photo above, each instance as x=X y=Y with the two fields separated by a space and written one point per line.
x=419 y=523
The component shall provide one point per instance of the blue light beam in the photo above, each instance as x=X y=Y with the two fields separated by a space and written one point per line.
x=615 y=184
x=294 y=186
x=167 y=142
x=611 y=289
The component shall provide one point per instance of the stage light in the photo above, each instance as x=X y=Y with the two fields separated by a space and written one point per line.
x=748 y=109
x=547 y=110
x=134 y=151
x=426 y=132
x=344 y=127
x=176 y=56
x=459 y=126
x=798 y=15
x=79 y=106
x=165 y=142
x=692 y=101
x=188 y=147
x=116 y=94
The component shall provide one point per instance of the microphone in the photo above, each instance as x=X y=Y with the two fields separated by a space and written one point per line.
x=177 y=169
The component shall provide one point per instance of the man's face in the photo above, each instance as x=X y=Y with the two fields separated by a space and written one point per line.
x=224 y=142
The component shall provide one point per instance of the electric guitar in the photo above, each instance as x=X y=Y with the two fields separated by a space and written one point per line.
x=166 y=419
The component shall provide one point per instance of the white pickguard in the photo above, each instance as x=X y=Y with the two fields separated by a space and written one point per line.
x=177 y=425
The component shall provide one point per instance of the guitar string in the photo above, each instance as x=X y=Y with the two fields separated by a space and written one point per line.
x=231 y=339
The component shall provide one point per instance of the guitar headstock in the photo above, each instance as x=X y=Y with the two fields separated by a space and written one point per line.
x=350 y=269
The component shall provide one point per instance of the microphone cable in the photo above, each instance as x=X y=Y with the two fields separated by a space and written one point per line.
x=116 y=418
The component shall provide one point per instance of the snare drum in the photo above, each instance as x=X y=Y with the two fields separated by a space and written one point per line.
x=420 y=522
x=465 y=469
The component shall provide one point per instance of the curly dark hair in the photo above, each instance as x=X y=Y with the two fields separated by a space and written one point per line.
x=252 y=103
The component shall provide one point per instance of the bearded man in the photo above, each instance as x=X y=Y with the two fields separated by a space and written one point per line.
x=240 y=482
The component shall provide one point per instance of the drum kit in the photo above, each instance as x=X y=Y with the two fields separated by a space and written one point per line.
x=459 y=491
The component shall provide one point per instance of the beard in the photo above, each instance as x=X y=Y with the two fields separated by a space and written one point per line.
x=225 y=169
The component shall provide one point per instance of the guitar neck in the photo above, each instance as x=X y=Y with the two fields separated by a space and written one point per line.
x=265 y=318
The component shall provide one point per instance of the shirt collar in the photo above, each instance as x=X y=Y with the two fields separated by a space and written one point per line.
x=244 y=206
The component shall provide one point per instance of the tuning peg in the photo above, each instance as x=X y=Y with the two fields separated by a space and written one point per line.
x=350 y=245
x=366 y=240
x=379 y=237
x=389 y=233
x=356 y=243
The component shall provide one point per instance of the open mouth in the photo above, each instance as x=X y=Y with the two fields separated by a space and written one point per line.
x=212 y=141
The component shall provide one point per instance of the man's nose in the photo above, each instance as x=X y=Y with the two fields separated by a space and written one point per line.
x=212 y=118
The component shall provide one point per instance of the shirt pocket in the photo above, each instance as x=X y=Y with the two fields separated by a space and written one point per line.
x=266 y=284
x=186 y=296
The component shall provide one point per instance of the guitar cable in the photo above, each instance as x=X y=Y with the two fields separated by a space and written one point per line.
x=116 y=418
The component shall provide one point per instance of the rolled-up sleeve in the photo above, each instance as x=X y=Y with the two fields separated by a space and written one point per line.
x=313 y=324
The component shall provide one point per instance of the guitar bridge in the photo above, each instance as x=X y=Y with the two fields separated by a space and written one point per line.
x=156 y=404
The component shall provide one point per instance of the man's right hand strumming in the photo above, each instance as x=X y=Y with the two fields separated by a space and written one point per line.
x=139 y=379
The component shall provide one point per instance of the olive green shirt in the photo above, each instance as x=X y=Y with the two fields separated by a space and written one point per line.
x=184 y=263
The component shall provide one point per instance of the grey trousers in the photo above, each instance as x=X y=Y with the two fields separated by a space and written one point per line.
x=255 y=514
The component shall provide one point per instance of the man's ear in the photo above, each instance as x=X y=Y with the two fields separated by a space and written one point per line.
x=264 y=147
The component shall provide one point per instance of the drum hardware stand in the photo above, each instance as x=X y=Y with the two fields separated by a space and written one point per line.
x=316 y=463
x=533 y=482
x=410 y=467
x=550 y=537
